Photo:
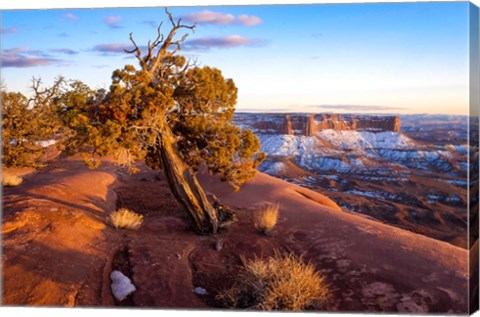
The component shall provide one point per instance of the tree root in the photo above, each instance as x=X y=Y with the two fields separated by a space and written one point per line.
x=226 y=215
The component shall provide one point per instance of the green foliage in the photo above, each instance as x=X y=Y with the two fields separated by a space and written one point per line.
x=197 y=104
x=202 y=118
x=26 y=122
x=82 y=112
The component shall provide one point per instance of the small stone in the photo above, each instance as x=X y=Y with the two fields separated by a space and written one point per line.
x=219 y=244
x=200 y=291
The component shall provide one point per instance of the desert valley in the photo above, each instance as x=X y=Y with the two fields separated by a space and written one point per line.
x=409 y=171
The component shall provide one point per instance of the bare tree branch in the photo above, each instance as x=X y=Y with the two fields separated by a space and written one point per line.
x=137 y=51
x=170 y=17
x=158 y=40
x=42 y=97
x=163 y=51
x=151 y=62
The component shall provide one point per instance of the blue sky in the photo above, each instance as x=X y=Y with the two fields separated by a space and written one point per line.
x=379 y=58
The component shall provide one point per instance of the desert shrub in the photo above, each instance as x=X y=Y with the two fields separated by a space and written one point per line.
x=265 y=218
x=126 y=219
x=11 y=180
x=277 y=283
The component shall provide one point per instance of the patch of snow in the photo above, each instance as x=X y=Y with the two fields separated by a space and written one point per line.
x=453 y=198
x=362 y=193
x=455 y=182
x=353 y=151
x=46 y=143
x=326 y=164
x=273 y=168
x=462 y=149
x=334 y=177
x=387 y=179
x=357 y=162
x=200 y=291
x=365 y=139
x=463 y=166
x=121 y=285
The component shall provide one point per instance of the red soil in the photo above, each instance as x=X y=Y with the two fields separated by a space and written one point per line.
x=59 y=246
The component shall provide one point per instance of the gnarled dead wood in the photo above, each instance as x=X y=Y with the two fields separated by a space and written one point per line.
x=207 y=216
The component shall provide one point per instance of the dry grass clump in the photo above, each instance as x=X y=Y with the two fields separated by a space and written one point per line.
x=11 y=180
x=265 y=218
x=277 y=283
x=126 y=219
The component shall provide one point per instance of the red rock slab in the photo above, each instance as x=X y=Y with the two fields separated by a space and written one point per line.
x=372 y=266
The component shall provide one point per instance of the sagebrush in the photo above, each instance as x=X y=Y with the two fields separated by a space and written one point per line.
x=126 y=219
x=11 y=180
x=265 y=218
x=277 y=283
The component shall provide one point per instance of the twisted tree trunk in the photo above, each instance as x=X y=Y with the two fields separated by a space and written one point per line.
x=207 y=215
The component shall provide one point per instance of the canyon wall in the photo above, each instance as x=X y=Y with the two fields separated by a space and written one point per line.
x=308 y=124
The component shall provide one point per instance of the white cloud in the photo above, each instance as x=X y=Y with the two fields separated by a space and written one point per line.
x=230 y=41
x=219 y=18
x=248 y=20
x=112 y=21
x=70 y=16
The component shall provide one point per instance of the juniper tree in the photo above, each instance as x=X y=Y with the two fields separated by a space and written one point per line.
x=176 y=116
x=26 y=122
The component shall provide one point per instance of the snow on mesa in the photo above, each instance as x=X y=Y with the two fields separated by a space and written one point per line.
x=286 y=145
x=326 y=150
x=368 y=140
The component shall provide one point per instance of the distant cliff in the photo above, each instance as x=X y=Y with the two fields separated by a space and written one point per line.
x=308 y=124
